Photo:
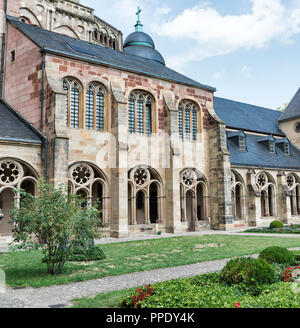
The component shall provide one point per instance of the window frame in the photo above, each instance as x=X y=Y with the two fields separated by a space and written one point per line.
x=70 y=82
x=136 y=112
x=194 y=123
x=95 y=88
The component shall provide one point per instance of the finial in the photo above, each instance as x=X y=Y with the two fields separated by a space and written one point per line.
x=139 y=25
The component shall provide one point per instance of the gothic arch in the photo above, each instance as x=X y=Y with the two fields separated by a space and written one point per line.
x=267 y=187
x=194 y=197
x=238 y=193
x=89 y=178
x=145 y=195
x=293 y=185
x=14 y=174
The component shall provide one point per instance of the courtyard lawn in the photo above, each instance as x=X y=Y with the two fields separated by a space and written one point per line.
x=203 y=291
x=26 y=268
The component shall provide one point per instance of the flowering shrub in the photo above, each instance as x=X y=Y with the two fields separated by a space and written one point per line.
x=135 y=301
x=291 y=273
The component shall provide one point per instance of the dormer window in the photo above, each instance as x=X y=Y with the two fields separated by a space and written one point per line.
x=242 y=143
x=271 y=146
x=284 y=145
x=286 y=148
x=238 y=138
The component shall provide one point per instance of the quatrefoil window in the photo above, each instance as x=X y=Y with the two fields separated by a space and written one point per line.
x=189 y=178
x=82 y=174
x=11 y=172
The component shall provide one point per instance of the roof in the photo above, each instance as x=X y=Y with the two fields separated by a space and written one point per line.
x=248 y=117
x=258 y=156
x=13 y=127
x=293 y=108
x=59 y=44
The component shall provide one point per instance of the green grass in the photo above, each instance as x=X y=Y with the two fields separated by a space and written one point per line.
x=26 y=268
x=203 y=291
x=103 y=301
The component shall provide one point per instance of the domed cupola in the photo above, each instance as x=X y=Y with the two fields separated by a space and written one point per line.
x=141 y=44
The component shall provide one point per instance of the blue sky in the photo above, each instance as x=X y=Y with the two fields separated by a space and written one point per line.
x=247 y=49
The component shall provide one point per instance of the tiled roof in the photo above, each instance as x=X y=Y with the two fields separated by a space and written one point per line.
x=13 y=127
x=247 y=117
x=293 y=108
x=258 y=156
x=94 y=53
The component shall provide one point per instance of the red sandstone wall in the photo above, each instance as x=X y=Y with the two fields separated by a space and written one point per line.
x=129 y=81
x=13 y=7
x=23 y=77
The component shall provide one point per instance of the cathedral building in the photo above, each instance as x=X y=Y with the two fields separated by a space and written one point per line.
x=108 y=119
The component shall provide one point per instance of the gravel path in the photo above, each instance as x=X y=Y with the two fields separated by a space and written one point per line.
x=61 y=295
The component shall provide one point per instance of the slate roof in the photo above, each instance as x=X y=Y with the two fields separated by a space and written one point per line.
x=13 y=127
x=247 y=117
x=258 y=156
x=61 y=44
x=293 y=109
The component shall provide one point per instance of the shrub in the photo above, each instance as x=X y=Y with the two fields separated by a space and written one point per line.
x=276 y=224
x=249 y=273
x=81 y=254
x=135 y=301
x=280 y=255
x=54 y=221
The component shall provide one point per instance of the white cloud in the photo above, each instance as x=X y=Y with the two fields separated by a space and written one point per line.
x=208 y=33
x=163 y=10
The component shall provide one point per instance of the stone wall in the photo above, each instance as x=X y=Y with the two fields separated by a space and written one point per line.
x=23 y=76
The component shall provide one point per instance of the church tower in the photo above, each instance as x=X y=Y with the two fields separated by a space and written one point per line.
x=289 y=121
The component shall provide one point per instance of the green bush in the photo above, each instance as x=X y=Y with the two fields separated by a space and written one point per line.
x=249 y=273
x=276 y=224
x=54 y=221
x=85 y=255
x=280 y=255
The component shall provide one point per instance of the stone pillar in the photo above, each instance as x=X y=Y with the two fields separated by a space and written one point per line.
x=220 y=176
x=283 y=201
x=173 y=199
x=254 y=200
x=119 y=176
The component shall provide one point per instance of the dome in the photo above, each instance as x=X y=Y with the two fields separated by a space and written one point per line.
x=145 y=52
x=139 y=38
x=141 y=44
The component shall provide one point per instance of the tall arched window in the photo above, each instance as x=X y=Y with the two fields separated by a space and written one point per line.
x=73 y=101
x=188 y=120
x=140 y=113
x=94 y=114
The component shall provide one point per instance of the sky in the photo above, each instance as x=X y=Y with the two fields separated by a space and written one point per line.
x=247 y=49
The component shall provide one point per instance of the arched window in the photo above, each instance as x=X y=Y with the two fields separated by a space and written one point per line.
x=94 y=115
x=188 y=120
x=194 y=197
x=73 y=103
x=267 y=187
x=140 y=113
x=145 y=196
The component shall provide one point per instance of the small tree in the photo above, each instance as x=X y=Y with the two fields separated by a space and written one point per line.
x=54 y=222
